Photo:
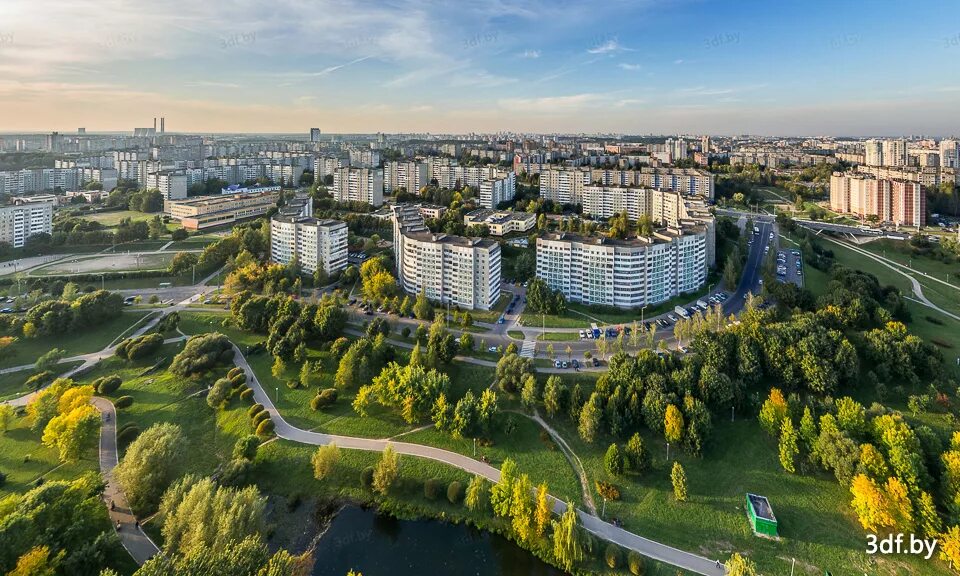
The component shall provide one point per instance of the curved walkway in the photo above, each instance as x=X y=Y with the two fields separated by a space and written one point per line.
x=572 y=458
x=592 y=523
x=133 y=538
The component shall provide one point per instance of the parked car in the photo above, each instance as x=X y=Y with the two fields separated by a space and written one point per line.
x=576 y=364
x=492 y=349
x=596 y=362
x=564 y=364
x=556 y=363
x=583 y=334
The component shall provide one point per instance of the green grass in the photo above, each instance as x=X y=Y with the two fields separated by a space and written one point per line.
x=111 y=219
x=23 y=458
x=27 y=350
x=12 y=383
x=491 y=316
x=517 y=334
x=559 y=336
x=817 y=525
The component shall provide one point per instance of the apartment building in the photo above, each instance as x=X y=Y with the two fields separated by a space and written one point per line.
x=950 y=153
x=900 y=202
x=501 y=222
x=449 y=269
x=171 y=184
x=324 y=166
x=627 y=273
x=409 y=175
x=21 y=221
x=363 y=158
x=208 y=211
x=315 y=243
x=358 y=185
x=501 y=188
x=565 y=184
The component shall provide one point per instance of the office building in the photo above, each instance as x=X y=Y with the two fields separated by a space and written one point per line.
x=21 y=221
x=629 y=273
x=449 y=269
x=899 y=202
x=315 y=243
x=358 y=185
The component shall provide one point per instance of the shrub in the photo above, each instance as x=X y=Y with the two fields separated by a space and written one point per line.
x=366 y=477
x=326 y=397
x=254 y=410
x=123 y=402
x=339 y=347
x=139 y=347
x=431 y=488
x=234 y=371
x=294 y=501
x=40 y=380
x=636 y=564
x=202 y=353
x=612 y=556
x=260 y=417
x=607 y=490
x=237 y=473
x=127 y=435
x=238 y=379
x=315 y=403
x=246 y=394
x=265 y=428
x=107 y=384
x=293 y=384
x=455 y=492
x=405 y=332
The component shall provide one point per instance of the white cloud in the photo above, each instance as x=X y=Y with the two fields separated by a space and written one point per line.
x=550 y=104
x=608 y=46
x=630 y=67
x=531 y=54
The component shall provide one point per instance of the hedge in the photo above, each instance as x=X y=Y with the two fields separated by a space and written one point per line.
x=234 y=371
x=127 y=435
x=260 y=417
x=455 y=492
x=246 y=394
x=254 y=410
x=265 y=428
x=107 y=384
x=123 y=402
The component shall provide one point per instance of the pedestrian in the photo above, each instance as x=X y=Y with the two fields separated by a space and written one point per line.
x=113 y=506
x=137 y=524
x=118 y=525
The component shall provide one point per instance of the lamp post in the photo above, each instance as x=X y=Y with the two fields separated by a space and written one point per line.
x=278 y=395
x=668 y=451
x=641 y=313
x=603 y=510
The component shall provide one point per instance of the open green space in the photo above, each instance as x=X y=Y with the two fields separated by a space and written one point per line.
x=27 y=350
x=491 y=316
x=13 y=384
x=113 y=218
x=559 y=336
x=24 y=459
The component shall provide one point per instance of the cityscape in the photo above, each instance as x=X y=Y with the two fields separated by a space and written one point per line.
x=342 y=288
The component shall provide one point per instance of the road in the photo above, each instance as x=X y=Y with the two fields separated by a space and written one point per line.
x=597 y=526
x=133 y=538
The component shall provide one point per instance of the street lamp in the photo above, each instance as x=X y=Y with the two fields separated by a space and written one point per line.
x=603 y=511
x=641 y=313
x=668 y=451
x=278 y=395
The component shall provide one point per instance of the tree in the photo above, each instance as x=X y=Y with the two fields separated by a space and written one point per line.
x=808 y=428
x=512 y=372
x=637 y=456
x=590 y=417
x=870 y=504
x=325 y=460
x=182 y=263
x=543 y=509
x=789 y=448
x=422 y=309
x=149 y=464
x=37 y=562
x=737 y=565
x=554 y=395
x=950 y=546
x=476 y=493
x=521 y=509
x=386 y=471
x=567 y=546
x=246 y=448
x=679 y=480
x=45 y=405
x=76 y=426
x=201 y=353
x=673 y=424
x=528 y=396
x=6 y=417
x=49 y=360
x=773 y=411
x=501 y=492
x=219 y=393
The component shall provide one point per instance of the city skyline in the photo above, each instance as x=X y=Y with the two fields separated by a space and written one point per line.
x=358 y=67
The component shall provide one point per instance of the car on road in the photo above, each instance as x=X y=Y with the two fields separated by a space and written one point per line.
x=583 y=334
x=492 y=349
x=7 y=310
x=564 y=364
x=672 y=318
x=501 y=320
x=576 y=363
x=556 y=363
x=596 y=362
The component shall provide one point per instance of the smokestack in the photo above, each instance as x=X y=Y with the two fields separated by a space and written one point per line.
x=162 y=129
x=154 y=123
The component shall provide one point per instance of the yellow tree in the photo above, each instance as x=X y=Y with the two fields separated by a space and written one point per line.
x=521 y=509
x=673 y=424
x=6 y=417
x=73 y=432
x=37 y=562
x=870 y=504
x=950 y=546
x=542 y=515
x=773 y=411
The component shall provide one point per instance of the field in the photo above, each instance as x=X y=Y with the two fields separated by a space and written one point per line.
x=24 y=459
x=106 y=263
x=26 y=350
x=111 y=219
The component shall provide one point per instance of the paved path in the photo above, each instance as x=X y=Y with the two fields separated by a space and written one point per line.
x=133 y=538
x=597 y=526
x=571 y=457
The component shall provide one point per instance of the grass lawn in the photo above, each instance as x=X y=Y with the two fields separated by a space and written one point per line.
x=817 y=525
x=27 y=350
x=139 y=246
x=491 y=316
x=559 y=336
x=113 y=218
x=517 y=334
x=23 y=458
x=901 y=251
x=12 y=384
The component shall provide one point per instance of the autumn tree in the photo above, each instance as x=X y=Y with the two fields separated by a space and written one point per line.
x=788 y=446
x=150 y=464
x=325 y=461
x=476 y=493
x=679 y=480
x=568 y=547
x=773 y=411
x=673 y=424
x=543 y=509
x=386 y=471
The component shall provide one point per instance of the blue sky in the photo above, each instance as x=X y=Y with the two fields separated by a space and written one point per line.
x=816 y=67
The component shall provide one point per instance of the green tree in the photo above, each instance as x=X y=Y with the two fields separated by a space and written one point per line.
x=325 y=461
x=422 y=309
x=554 y=395
x=679 y=480
x=528 y=395
x=789 y=449
x=590 y=418
x=502 y=492
x=638 y=458
x=6 y=417
x=476 y=493
x=613 y=460
x=386 y=470
x=521 y=509
x=773 y=411
x=149 y=464
x=568 y=547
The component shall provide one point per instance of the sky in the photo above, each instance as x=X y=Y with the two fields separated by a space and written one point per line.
x=814 y=67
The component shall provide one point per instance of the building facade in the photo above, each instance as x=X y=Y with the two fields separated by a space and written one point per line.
x=315 y=243
x=501 y=222
x=209 y=211
x=899 y=202
x=21 y=221
x=358 y=185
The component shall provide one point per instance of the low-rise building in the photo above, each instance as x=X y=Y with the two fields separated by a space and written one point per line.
x=501 y=222
x=209 y=211
x=315 y=243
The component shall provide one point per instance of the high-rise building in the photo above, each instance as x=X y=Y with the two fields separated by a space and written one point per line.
x=315 y=243
x=449 y=269
x=950 y=153
x=411 y=176
x=171 y=184
x=493 y=191
x=21 y=221
x=358 y=185
x=314 y=134
x=899 y=202
x=873 y=153
x=895 y=152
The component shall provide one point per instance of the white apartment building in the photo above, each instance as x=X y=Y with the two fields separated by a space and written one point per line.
x=363 y=158
x=895 y=152
x=501 y=222
x=565 y=184
x=358 y=185
x=313 y=242
x=950 y=153
x=411 y=176
x=172 y=185
x=624 y=273
x=19 y=222
x=454 y=270
x=493 y=191
x=873 y=153
x=324 y=166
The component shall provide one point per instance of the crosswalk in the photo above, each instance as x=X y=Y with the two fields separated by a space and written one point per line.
x=528 y=349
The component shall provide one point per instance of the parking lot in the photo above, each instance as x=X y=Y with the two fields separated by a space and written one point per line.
x=790 y=267
x=662 y=322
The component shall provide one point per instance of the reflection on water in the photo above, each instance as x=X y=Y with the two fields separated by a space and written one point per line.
x=377 y=545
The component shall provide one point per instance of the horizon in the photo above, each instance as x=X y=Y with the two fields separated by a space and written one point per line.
x=350 y=67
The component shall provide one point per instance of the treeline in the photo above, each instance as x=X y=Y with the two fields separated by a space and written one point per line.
x=288 y=323
x=63 y=316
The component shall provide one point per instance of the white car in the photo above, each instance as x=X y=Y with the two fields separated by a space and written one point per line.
x=492 y=349
x=583 y=334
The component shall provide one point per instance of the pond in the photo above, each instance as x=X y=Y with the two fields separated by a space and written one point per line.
x=376 y=545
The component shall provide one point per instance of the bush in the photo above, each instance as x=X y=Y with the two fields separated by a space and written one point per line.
x=107 y=384
x=254 y=410
x=607 y=490
x=237 y=380
x=237 y=473
x=455 y=492
x=127 y=435
x=613 y=556
x=139 y=347
x=246 y=448
x=315 y=403
x=40 y=380
x=324 y=398
x=265 y=428
x=123 y=402
x=202 y=353
x=234 y=372
x=405 y=332
x=246 y=394
x=636 y=564
x=431 y=488
x=293 y=384
x=260 y=417
x=339 y=347
x=366 y=477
